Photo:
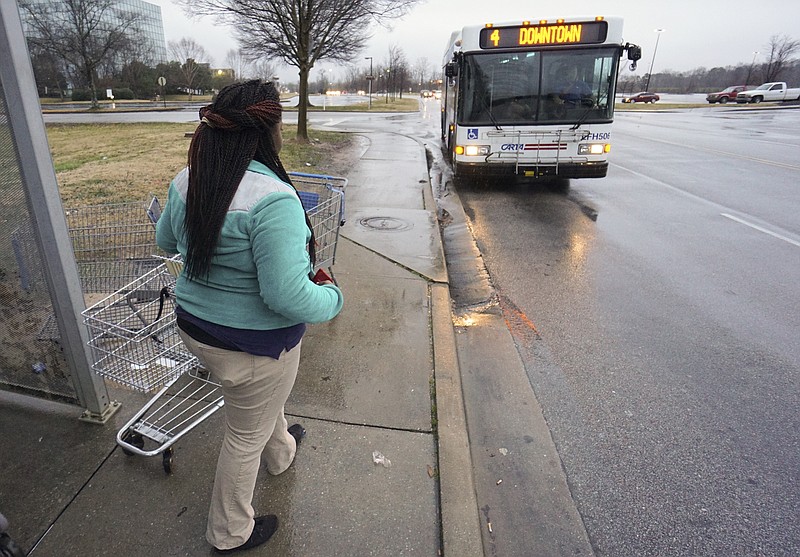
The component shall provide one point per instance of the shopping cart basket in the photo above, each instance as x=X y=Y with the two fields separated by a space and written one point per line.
x=135 y=342
x=113 y=244
x=323 y=199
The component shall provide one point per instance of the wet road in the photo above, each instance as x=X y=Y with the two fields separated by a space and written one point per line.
x=661 y=339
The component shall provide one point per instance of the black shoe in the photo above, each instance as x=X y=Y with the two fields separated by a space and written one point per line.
x=263 y=530
x=298 y=432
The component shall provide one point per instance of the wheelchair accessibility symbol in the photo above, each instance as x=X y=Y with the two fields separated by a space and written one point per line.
x=472 y=133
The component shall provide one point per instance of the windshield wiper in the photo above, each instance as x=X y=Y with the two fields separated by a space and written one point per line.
x=582 y=119
x=490 y=113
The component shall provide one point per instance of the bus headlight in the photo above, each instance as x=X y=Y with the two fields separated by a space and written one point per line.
x=476 y=150
x=593 y=148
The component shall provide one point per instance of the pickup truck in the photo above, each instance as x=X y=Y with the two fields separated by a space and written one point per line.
x=727 y=94
x=772 y=91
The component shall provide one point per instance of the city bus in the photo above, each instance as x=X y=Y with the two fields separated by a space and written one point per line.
x=532 y=98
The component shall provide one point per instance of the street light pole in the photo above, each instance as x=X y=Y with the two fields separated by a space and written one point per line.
x=323 y=90
x=750 y=70
x=370 y=77
x=653 y=61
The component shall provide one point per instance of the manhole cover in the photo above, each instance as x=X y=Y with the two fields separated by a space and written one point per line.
x=389 y=224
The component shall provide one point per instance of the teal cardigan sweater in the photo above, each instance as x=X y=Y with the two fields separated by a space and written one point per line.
x=259 y=276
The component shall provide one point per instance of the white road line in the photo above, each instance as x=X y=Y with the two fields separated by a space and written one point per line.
x=726 y=153
x=703 y=200
x=761 y=229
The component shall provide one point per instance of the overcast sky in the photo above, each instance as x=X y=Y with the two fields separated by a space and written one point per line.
x=695 y=34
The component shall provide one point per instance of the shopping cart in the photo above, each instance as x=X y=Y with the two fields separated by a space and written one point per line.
x=323 y=199
x=7 y=546
x=113 y=244
x=135 y=341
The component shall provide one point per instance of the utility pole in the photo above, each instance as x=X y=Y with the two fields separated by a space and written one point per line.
x=370 y=77
x=653 y=61
x=750 y=69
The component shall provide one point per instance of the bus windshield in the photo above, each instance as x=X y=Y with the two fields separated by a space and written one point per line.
x=538 y=87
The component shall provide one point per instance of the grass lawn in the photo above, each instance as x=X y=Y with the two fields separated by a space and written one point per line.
x=116 y=163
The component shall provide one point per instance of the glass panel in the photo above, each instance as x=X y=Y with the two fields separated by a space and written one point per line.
x=516 y=88
x=31 y=359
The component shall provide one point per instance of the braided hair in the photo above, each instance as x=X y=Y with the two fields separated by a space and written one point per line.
x=238 y=127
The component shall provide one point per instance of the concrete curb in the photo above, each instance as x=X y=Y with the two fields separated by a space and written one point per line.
x=461 y=526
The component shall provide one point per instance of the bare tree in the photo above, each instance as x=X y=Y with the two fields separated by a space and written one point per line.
x=780 y=50
x=49 y=73
x=301 y=32
x=262 y=69
x=397 y=70
x=191 y=57
x=84 y=34
x=422 y=72
x=236 y=61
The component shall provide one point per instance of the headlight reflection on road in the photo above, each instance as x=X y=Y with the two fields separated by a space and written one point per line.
x=469 y=319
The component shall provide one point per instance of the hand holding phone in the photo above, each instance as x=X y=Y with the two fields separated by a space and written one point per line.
x=322 y=277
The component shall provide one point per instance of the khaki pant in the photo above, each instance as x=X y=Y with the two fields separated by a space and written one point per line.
x=255 y=389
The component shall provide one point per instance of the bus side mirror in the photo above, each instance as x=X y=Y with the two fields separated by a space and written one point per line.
x=634 y=52
x=451 y=69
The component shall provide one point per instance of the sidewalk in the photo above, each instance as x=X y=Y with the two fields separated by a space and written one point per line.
x=382 y=376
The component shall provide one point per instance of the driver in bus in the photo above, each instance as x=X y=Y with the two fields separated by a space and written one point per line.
x=572 y=90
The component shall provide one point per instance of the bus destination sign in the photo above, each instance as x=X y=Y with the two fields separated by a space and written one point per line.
x=521 y=36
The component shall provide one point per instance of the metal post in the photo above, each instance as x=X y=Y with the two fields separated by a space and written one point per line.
x=750 y=69
x=370 y=77
x=653 y=61
x=47 y=214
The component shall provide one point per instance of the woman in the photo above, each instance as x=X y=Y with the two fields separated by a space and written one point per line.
x=245 y=294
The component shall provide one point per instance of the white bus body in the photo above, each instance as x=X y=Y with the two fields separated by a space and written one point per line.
x=532 y=99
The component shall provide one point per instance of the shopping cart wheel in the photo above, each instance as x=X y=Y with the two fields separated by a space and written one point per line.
x=132 y=438
x=166 y=459
x=8 y=548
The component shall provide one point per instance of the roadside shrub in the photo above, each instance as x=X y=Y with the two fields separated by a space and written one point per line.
x=124 y=94
x=81 y=95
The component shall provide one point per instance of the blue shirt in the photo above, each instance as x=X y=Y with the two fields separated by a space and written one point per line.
x=259 y=343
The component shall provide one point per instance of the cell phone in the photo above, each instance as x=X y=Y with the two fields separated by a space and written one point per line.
x=321 y=276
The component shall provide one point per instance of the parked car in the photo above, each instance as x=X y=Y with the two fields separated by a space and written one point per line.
x=727 y=94
x=643 y=97
x=772 y=91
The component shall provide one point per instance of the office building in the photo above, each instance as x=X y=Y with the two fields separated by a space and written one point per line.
x=150 y=25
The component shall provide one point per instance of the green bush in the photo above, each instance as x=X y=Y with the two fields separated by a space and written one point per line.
x=81 y=95
x=124 y=94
